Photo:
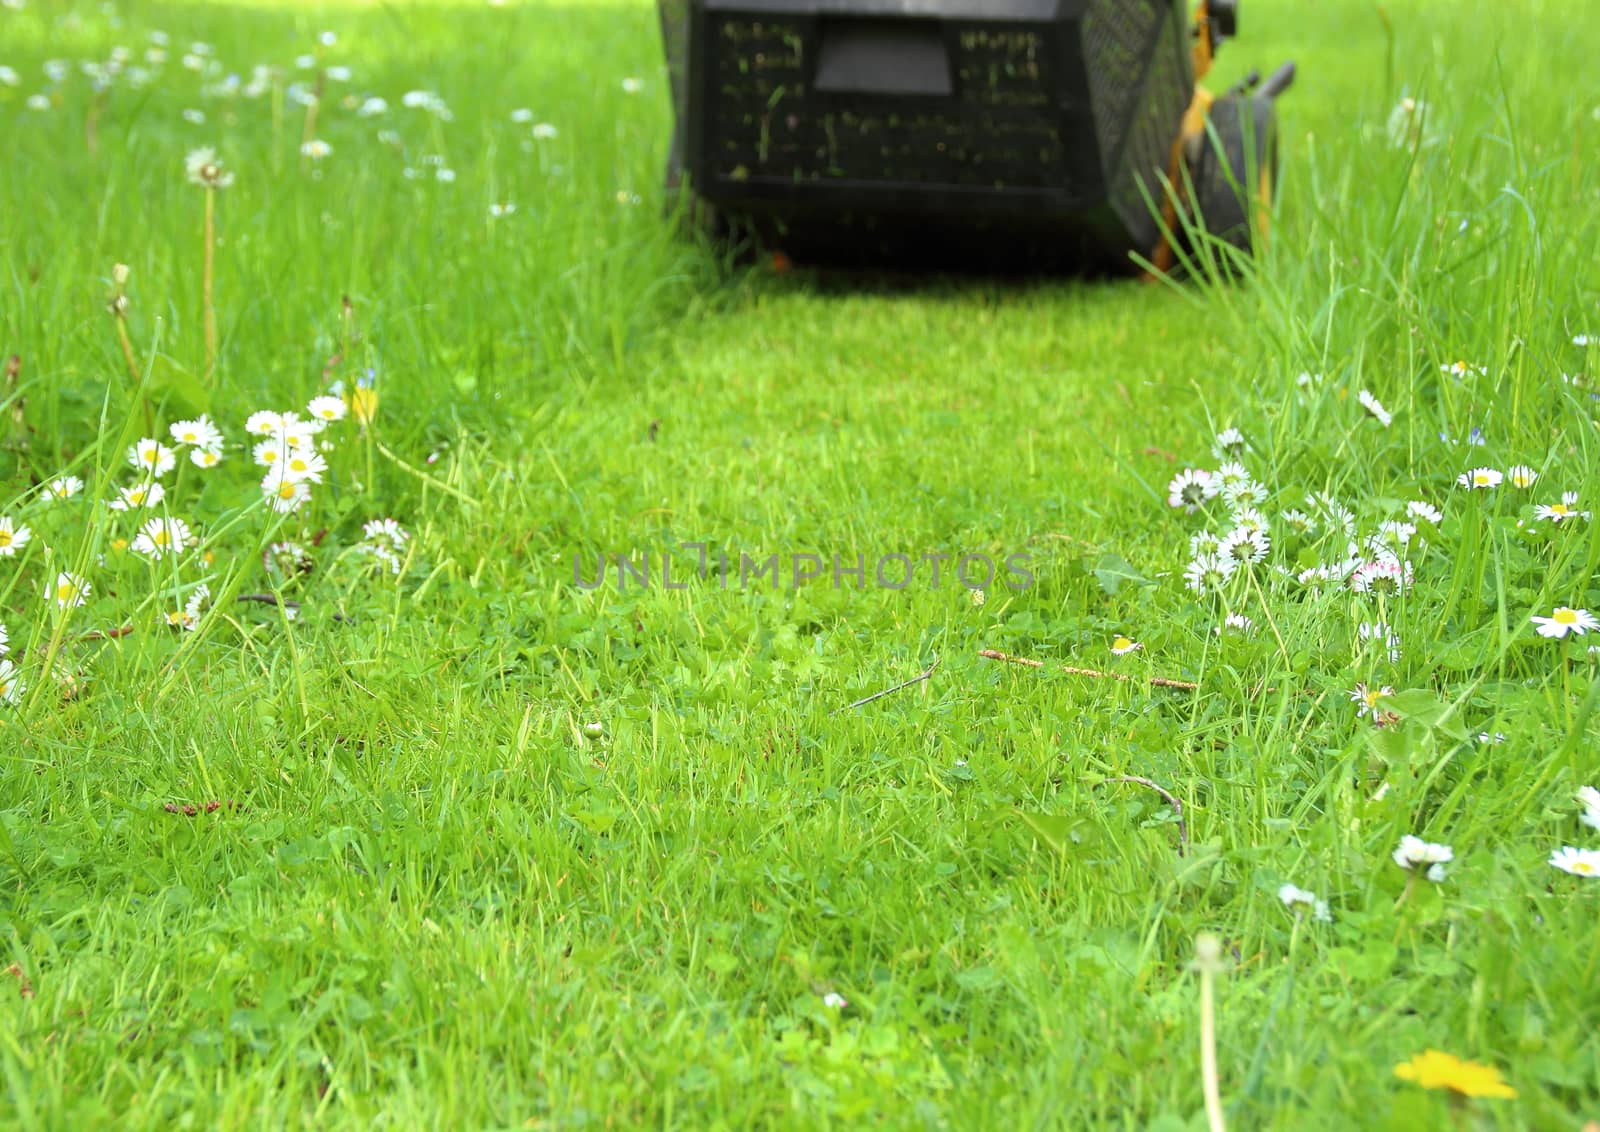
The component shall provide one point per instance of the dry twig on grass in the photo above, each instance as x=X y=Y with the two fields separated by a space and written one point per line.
x=1171 y=799
x=917 y=679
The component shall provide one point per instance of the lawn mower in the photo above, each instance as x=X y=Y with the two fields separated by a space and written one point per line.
x=996 y=134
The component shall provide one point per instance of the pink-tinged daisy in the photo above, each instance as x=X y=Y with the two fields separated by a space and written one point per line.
x=1564 y=620
x=1480 y=478
x=1578 y=862
x=1383 y=576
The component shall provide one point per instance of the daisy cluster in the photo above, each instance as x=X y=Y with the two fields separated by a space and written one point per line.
x=290 y=449
x=313 y=81
x=1239 y=535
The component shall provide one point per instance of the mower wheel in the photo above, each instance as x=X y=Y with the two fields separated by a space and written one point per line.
x=1234 y=174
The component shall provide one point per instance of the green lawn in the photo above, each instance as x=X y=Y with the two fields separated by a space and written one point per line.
x=469 y=845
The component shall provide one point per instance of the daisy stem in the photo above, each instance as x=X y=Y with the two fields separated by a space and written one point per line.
x=205 y=284
x=133 y=372
x=1266 y=611
x=1208 y=954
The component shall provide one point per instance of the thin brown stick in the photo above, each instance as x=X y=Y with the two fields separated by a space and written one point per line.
x=268 y=599
x=919 y=678
x=1171 y=799
x=1092 y=673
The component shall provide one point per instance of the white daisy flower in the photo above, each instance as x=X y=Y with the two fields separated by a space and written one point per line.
x=543 y=131
x=326 y=409
x=304 y=464
x=1293 y=894
x=632 y=85
x=522 y=115
x=1190 y=488
x=198 y=433
x=152 y=457
x=1243 y=545
x=1480 y=478
x=1316 y=577
x=1208 y=573
x=372 y=108
x=1122 y=646
x=38 y=102
x=1521 y=475
x=139 y=495
x=69 y=591
x=1578 y=862
x=499 y=210
x=1229 y=442
x=13 y=537
x=1589 y=798
x=1414 y=851
x=64 y=487
x=1460 y=369
x=265 y=422
x=283 y=494
x=834 y=1001
x=1204 y=542
x=1236 y=623
x=1299 y=522
x=269 y=453
x=1424 y=512
x=1379 y=632
x=316 y=149
x=11 y=685
x=1582 y=340
x=1564 y=620
x=1375 y=408
x=1436 y=873
x=161 y=537
x=1561 y=512
x=205 y=458
x=1367 y=699
x=1382 y=576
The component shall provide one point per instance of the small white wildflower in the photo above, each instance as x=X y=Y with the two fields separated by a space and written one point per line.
x=1414 y=851
x=1424 y=512
x=1564 y=620
x=315 y=149
x=1375 y=408
x=13 y=537
x=1578 y=862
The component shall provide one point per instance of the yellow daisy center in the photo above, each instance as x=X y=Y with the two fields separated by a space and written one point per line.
x=66 y=591
x=5 y=537
x=286 y=490
x=1480 y=477
x=1584 y=867
x=1565 y=616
